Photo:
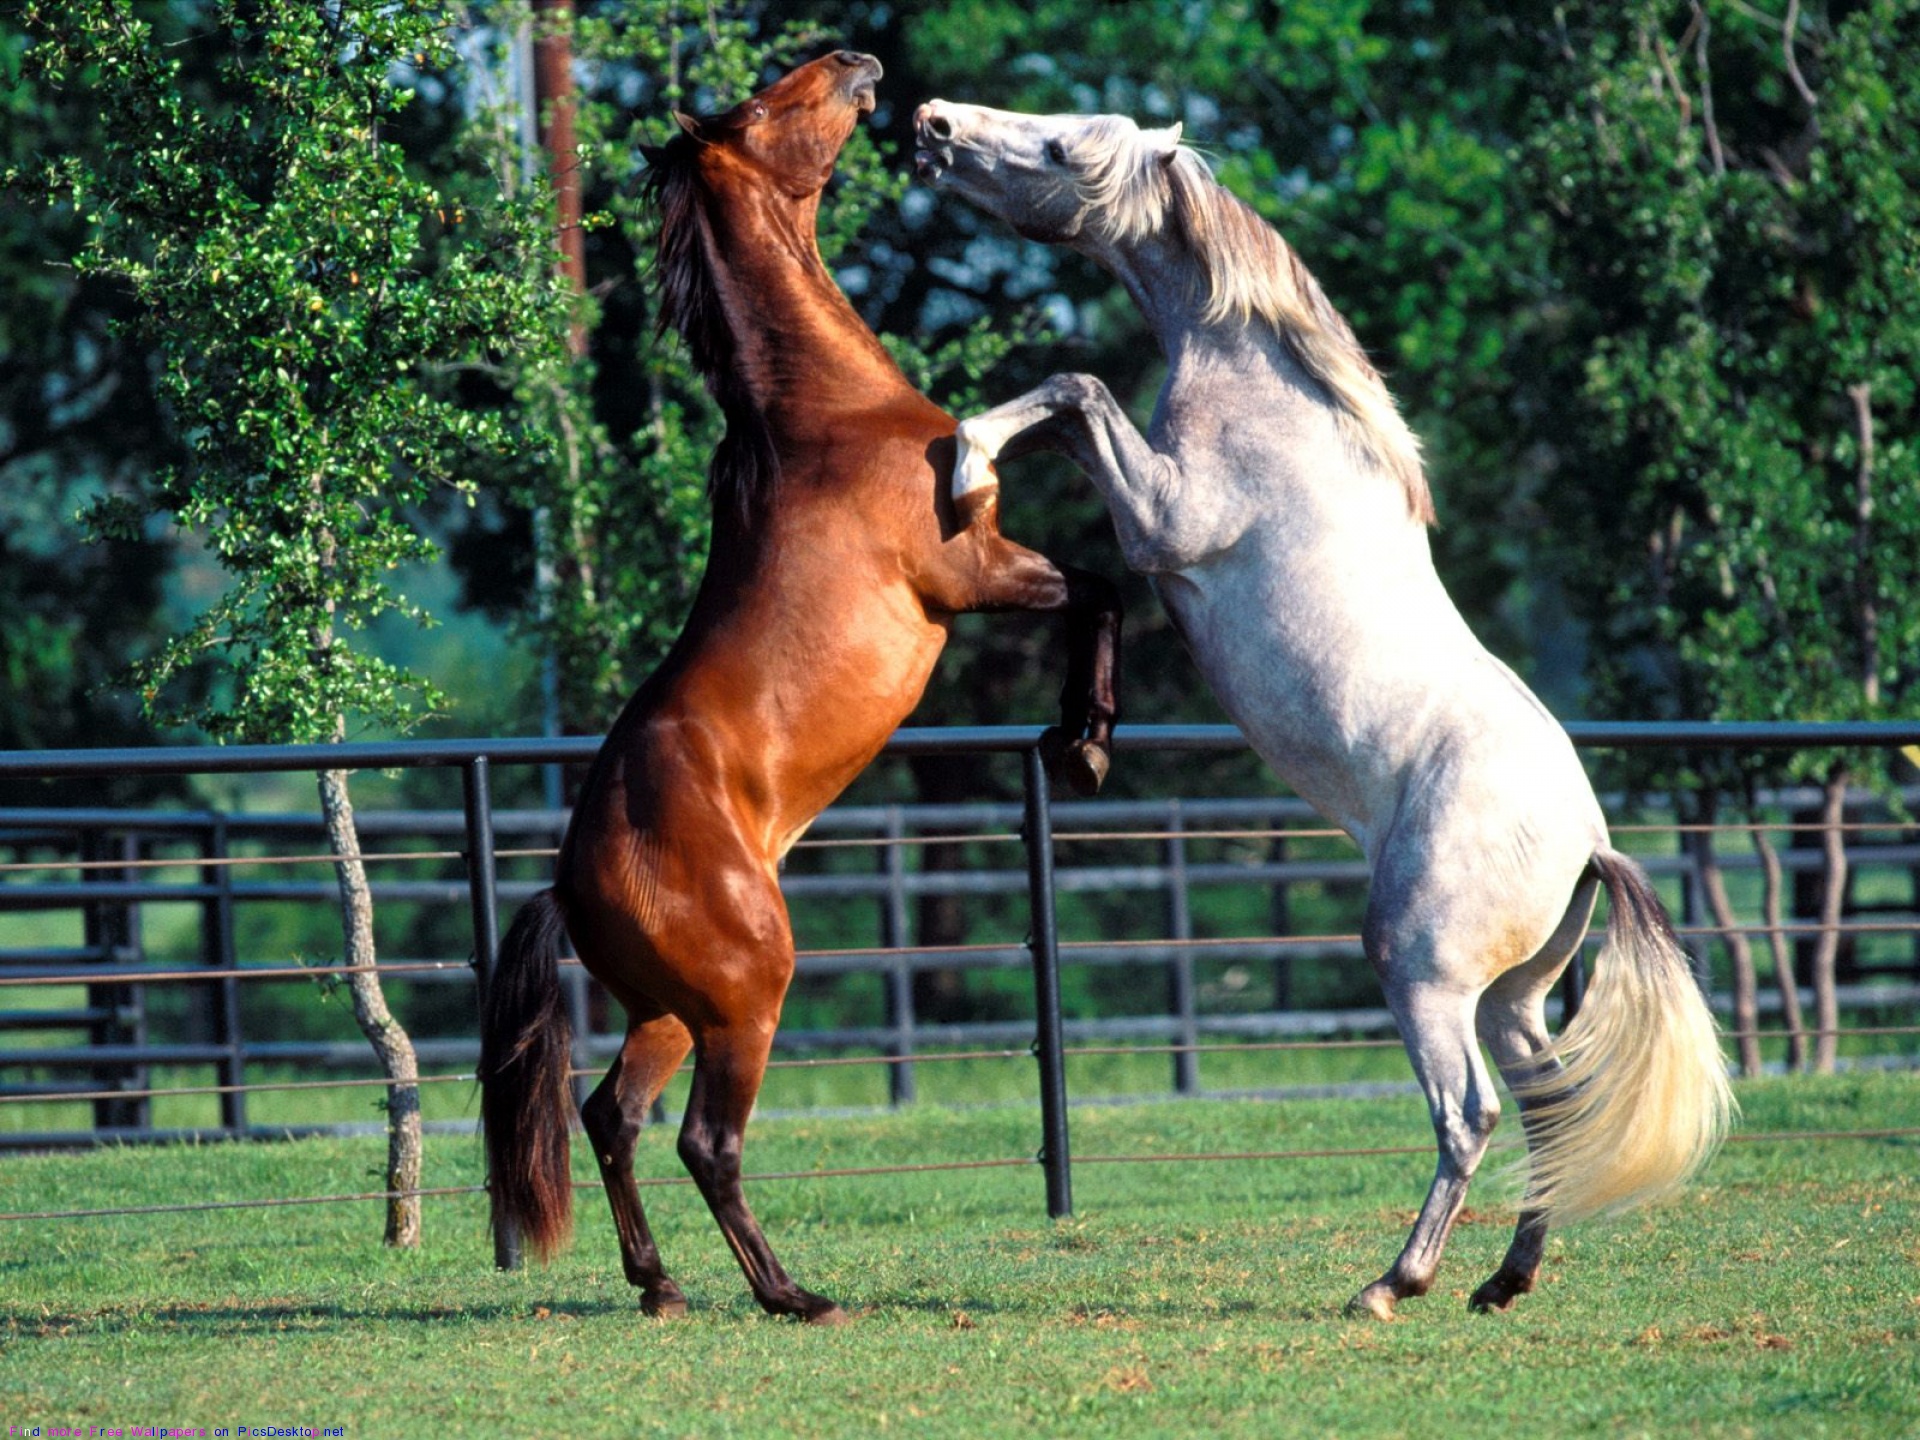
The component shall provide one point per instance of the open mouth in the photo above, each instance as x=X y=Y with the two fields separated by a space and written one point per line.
x=930 y=165
x=863 y=96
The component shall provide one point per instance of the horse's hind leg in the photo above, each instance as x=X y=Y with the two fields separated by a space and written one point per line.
x=613 y=1116
x=1436 y=1022
x=731 y=1060
x=1513 y=1025
x=1518 y=1041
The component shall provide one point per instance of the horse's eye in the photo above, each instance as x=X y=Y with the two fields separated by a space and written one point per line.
x=1056 y=152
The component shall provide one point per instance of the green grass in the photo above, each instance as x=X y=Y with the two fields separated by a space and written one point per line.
x=1780 y=1296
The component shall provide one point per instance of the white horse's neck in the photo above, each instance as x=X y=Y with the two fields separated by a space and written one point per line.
x=1271 y=404
x=1322 y=625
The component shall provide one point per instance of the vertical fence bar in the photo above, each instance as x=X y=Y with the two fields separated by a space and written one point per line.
x=137 y=1112
x=222 y=953
x=1693 y=909
x=1280 y=919
x=482 y=886
x=895 y=934
x=108 y=930
x=483 y=892
x=1180 y=988
x=1049 y=1038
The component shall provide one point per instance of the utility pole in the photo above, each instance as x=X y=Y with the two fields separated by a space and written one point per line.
x=554 y=110
x=542 y=81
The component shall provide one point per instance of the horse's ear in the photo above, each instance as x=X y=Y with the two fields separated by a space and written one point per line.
x=687 y=123
x=1165 y=143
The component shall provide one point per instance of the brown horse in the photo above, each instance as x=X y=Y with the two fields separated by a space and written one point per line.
x=839 y=559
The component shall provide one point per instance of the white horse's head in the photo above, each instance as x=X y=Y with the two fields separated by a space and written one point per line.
x=1048 y=176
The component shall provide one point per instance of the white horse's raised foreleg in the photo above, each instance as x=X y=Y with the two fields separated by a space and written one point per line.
x=1161 y=525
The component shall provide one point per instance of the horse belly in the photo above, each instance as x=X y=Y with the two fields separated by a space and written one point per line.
x=1280 y=698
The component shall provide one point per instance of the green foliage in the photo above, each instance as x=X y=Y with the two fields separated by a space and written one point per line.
x=76 y=416
x=1734 y=217
x=309 y=298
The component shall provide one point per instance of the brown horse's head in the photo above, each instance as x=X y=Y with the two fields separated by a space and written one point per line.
x=773 y=154
x=790 y=134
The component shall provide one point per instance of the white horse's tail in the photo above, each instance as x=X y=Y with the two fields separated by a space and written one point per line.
x=1641 y=1099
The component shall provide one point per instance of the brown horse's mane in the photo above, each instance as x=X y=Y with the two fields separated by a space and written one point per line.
x=744 y=474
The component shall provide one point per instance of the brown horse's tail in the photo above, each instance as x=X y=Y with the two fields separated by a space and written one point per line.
x=1641 y=1099
x=526 y=1044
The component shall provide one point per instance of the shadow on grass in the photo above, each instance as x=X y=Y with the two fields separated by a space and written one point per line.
x=269 y=1315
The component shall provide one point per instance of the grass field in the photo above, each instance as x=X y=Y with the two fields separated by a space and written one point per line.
x=1781 y=1296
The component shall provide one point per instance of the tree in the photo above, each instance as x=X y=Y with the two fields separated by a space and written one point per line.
x=1735 y=200
x=77 y=415
x=311 y=300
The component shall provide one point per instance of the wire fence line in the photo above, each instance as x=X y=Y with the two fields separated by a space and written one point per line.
x=1366 y=1152
x=924 y=1057
x=127 y=870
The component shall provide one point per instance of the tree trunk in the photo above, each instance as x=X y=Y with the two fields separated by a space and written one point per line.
x=1833 y=891
x=390 y=1043
x=1783 y=976
x=1746 y=999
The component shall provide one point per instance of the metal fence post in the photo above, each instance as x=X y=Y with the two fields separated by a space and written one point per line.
x=1049 y=1037
x=218 y=945
x=1280 y=920
x=895 y=934
x=110 y=929
x=1180 y=988
x=484 y=896
x=1694 y=912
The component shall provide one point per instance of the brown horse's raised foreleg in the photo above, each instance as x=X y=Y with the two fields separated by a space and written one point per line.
x=613 y=1116
x=729 y=1065
x=1088 y=701
x=985 y=571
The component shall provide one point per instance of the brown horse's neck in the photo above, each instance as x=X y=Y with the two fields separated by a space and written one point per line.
x=798 y=343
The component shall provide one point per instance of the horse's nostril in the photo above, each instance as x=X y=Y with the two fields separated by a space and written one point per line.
x=940 y=127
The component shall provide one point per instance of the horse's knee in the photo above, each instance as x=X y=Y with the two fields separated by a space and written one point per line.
x=1077 y=389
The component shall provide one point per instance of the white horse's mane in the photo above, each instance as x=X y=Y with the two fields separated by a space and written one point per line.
x=1133 y=185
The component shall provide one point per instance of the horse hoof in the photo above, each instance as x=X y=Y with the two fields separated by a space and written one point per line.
x=1375 y=1302
x=664 y=1304
x=1497 y=1295
x=1086 y=765
x=1074 y=765
x=813 y=1309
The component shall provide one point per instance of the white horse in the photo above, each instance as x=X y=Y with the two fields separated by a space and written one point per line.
x=1279 y=504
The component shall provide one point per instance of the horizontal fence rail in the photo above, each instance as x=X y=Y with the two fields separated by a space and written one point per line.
x=116 y=867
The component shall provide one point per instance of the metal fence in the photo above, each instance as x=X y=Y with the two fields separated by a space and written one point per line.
x=112 y=865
